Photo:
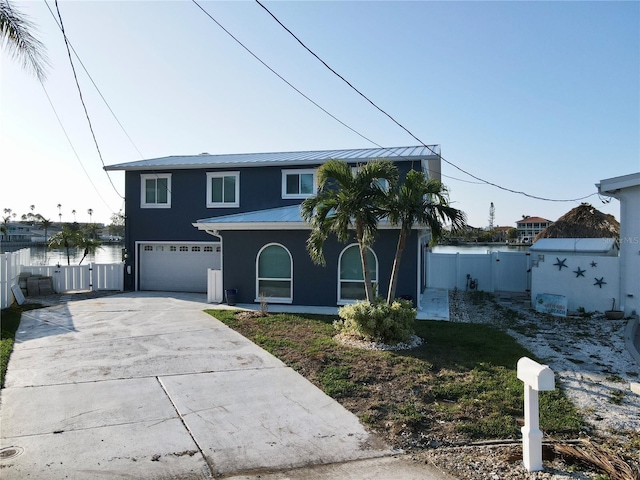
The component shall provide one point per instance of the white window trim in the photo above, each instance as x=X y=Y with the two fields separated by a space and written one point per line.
x=274 y=299
x=299 y=172
x=349 y=301
x=143 y=180
x=210 y=203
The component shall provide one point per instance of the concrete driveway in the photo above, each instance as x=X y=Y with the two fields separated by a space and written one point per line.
x=147 y=385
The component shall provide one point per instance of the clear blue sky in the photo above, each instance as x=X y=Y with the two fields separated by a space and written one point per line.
x=542 y=97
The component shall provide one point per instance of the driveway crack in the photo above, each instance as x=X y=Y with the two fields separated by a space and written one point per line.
x=210 y=466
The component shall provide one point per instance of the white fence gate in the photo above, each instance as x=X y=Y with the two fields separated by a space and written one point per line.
x=495 y=271
x=65 y=278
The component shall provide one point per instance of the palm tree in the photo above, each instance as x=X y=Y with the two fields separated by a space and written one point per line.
x=87 y=244
x=15 y=34
x=73 y=212
x=64 y=239
x=347 y=200
x=419 y=201
x=45 y=223
x=90 y=212
x=4 y=228
x=60 y=212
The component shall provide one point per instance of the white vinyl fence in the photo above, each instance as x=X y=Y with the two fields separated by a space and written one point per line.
x=490 y=272
x=11 y=265
x=93 y=276
x=65 y=278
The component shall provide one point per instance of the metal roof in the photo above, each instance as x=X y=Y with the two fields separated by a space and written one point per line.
x=576 y=245
x=281 y=218
x=279 y=158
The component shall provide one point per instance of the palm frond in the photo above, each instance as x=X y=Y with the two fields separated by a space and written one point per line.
x=16 y=37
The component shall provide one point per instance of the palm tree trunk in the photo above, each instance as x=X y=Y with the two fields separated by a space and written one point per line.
x=395 y=271
x=368 y=284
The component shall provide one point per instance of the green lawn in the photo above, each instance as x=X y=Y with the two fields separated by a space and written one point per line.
x=459 y=385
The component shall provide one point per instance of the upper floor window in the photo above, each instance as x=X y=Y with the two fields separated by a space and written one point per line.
x=383 y=183
x=155 y=190
x=299 y=183
x=223 y=189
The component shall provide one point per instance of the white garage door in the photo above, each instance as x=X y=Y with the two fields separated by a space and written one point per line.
x=177 y=267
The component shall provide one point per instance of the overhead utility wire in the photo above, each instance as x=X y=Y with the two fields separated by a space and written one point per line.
x=72 y=147
x=310 y=100
x=405 y=128
x=94 y=83
x=95 y=141
x=281 y=77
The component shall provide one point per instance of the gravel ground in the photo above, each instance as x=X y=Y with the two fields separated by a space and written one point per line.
x=591 y=364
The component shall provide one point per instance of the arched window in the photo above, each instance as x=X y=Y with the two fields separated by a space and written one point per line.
x=274 y=274
x=350 y=276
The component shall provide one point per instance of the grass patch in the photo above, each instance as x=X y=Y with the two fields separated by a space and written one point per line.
x=460 y=384
x=8 y=328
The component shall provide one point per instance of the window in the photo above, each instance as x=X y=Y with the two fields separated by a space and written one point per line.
x=184 y=248
x=383 y=183
x=298 y=183
x=155 y=190
x=274 y=274
x=172 y=248
x=195 y=249
x=223 y=189
x=351 y=278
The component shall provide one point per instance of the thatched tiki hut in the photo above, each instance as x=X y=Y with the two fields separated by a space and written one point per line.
x=584 y=221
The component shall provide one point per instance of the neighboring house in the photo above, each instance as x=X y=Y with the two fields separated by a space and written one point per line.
x=529 y=227
x=241 y=214
x=17 y=232
x=627 y=189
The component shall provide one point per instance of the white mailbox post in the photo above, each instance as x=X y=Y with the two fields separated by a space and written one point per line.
x=536 y=377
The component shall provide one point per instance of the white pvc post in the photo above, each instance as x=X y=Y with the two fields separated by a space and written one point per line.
x=536 y=377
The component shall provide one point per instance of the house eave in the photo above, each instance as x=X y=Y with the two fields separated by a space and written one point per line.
x=257 y=226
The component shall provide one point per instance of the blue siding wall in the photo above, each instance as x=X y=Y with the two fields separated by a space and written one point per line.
x=260 y=188
x=313 y=284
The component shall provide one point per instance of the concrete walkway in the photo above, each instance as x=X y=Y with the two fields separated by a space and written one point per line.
x=146 y=385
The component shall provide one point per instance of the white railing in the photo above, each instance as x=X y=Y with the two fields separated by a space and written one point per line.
x=65 y=278
x=11 y=265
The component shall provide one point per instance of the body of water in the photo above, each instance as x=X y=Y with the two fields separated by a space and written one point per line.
x=107 y=253
x=478 y=248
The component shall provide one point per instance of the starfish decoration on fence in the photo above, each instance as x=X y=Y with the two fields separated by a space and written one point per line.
x=579 y=272
x=600 y=282
x=594 y=264
x=560 y=263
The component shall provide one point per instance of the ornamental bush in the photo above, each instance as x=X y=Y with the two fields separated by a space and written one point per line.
x=378 y=321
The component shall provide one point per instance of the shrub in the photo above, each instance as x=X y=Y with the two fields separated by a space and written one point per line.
x=378 y=321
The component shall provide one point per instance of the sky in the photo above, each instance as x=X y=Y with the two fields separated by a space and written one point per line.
x=535 y=97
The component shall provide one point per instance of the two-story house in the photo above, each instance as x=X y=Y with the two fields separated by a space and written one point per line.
x=529 y=227
x=240 y=214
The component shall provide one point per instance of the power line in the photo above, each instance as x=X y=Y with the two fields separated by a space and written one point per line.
x=281 y=77
x=73 y=148
x=405 y=128
x=95 y=141
x=94 y=83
